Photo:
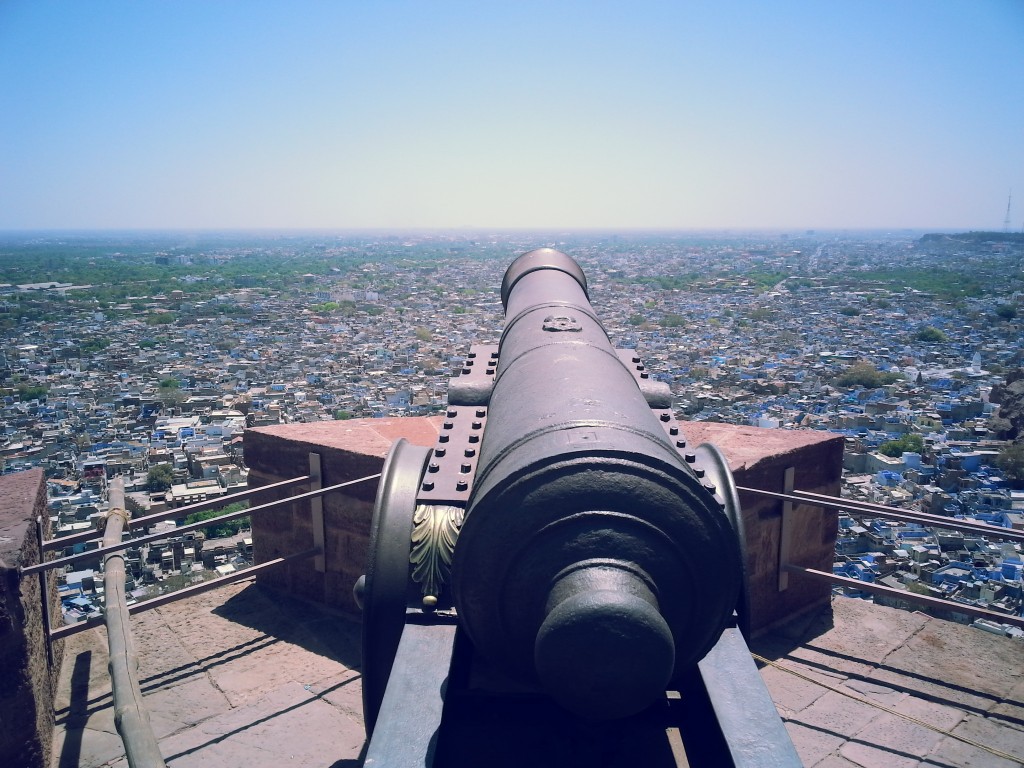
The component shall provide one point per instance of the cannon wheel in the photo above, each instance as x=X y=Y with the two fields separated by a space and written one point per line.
x=718 y=472
x=386 y=582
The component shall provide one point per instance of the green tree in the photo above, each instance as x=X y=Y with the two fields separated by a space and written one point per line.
x=864 y=374
x=849 y=311
x=159 y=478
x=423 y=333
x=930 y=334
x=95 y=344
x=223 y=528
x=32 y=391
x=1006 y=311
x=171 y=394
x=1011 y=462
x=909 y=443
x=765 y=280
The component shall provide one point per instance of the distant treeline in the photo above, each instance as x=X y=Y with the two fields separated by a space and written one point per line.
x=975 y=238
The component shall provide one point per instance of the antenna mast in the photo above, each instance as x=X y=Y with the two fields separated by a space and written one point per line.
x=1006 y=221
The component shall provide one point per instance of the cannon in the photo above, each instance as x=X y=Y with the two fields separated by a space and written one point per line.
x=561 y=558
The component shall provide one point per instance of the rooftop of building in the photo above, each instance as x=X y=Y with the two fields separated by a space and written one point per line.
x=241 y=677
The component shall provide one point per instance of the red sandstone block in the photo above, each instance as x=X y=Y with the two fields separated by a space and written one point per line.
x=357 y=549
x=351 y=518
x=338 y=591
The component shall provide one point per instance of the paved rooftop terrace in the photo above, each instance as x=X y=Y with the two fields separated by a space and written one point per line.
x=244 y=677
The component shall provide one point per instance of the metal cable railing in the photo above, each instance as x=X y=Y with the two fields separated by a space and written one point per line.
x=869 y=509
x=130 y=715
x=861 y=509
x=183 y=512
x=180 y=594
x=139 y=522
x=936 y=603
x=113 y=544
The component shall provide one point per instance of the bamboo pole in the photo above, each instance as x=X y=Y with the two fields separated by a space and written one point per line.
x=130 y=715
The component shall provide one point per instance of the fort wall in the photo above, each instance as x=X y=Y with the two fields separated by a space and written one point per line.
x=29 y=679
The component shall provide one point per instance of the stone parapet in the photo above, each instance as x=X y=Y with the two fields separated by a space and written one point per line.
x=759 y=459
x=28 y=682
x=352 y=449
x=348 y=450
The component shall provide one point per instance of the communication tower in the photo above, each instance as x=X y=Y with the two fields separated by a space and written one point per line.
x=1006 y=220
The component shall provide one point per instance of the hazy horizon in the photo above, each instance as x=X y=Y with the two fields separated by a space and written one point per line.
x=477 y=231
x=462 y=117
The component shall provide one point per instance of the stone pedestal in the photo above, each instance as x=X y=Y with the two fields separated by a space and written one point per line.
x=28 y=680
x=758 y=458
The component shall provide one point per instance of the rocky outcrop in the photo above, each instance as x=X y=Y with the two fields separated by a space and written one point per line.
x=1008 y=423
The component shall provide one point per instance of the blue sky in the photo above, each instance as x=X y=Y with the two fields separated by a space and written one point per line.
x=822 y=114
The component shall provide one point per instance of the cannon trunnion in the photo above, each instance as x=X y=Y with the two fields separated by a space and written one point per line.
x=561 y=564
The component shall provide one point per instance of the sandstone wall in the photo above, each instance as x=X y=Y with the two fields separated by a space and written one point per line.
x=759 y=458
x=28 y=681
x=349 y=450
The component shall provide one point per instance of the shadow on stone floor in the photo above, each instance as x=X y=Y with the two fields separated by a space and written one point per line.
x=353 y=762
x=77 y=712
x=308 y=625
x=248 y=726
x=798 y=632
x=915 y=690
x=82 y=705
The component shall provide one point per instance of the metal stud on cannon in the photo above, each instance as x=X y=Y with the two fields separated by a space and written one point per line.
x=560 y=549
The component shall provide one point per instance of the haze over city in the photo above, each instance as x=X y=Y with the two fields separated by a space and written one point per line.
x=528 y=115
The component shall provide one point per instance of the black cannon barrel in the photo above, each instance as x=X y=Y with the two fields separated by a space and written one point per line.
x=592 y=562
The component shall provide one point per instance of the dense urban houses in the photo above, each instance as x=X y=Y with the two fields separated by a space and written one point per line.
x=788 y=332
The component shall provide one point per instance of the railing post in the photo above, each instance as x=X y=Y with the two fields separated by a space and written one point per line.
x=44 y=593
x=786 y=530
x=316 y=507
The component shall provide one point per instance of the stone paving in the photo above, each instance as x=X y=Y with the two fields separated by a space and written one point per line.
x=958 y=679
x=235 y=677
x=245 y=677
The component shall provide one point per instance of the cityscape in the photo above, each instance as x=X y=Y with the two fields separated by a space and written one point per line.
x=263 y=505
x=149 y=355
